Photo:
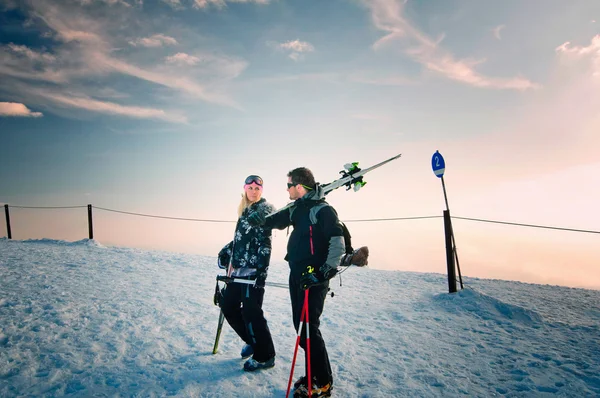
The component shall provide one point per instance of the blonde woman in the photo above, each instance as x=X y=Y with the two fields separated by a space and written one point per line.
x=249 y=254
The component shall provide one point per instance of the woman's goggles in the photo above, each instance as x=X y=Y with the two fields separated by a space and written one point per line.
x=254 y=179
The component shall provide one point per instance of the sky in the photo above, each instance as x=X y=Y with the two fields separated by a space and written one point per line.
x=165 y=107
x=81 y=319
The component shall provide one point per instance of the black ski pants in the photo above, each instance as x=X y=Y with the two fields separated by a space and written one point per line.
x=319 y=360
x=242 y=307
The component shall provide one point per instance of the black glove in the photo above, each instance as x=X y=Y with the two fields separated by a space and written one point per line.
x=257 y=218
x=223 y=259
x=261 y=278
x=311 y=278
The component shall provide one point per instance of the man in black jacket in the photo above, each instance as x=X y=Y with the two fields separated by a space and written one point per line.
x=314 y=250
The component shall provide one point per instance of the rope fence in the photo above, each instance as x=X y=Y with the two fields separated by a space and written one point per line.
x=528 y=225
x=451 y=252
x=90 y=207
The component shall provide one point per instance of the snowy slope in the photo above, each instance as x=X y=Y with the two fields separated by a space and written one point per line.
x=79 y=319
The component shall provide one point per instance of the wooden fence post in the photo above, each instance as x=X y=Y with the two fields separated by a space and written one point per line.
x=449 y=253
x=8 y=232
x=90 y=225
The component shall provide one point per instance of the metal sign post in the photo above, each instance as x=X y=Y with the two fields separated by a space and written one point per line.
x=439 y=167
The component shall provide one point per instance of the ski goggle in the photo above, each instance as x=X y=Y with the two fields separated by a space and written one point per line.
x=254 y=179
x=293 y=184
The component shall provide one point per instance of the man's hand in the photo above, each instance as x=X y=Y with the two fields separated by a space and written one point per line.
x=311 y=278
x=328 y=271
x=256 y=219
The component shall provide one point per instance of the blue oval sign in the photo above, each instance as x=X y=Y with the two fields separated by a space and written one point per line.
x=437 y=164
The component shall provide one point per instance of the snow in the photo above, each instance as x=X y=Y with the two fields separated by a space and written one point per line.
x=80 y=319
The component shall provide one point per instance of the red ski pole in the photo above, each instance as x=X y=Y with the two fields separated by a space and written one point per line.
x=296 y=348
x=307 y=344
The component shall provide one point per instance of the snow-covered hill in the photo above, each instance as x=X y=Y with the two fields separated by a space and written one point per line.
x=79 y=319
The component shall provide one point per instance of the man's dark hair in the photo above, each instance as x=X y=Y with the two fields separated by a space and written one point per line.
x=302 y=175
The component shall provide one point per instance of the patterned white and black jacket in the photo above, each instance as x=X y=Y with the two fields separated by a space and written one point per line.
x=251 y=246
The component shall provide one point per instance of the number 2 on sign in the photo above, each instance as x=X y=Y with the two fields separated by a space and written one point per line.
x=437 y=161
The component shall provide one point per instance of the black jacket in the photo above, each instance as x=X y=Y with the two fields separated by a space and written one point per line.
x=251 y=246
x=317 y=238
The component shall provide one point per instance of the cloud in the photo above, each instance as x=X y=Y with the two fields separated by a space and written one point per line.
x=593 y=48
x=109 y=2
x=157 y=40
x=203 y=4
x=497 y=30
x=591 y=52
x=229 y=68
x=182 y=59
x=31 y=54
x=88 y=51
x=112 y=108
x=175 y=4
x=387 y=15
x=295 y=48
x=69 y=27
x=20 y=61
x=17 y=109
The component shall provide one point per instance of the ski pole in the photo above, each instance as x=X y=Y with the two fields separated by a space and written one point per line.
x=307 y=343
x=304 y=307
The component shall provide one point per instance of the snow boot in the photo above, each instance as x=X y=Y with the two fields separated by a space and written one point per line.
x=247 y=351
x=317 y=390
x=252 y=364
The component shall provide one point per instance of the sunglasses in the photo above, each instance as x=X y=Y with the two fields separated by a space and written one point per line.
x=291 y=184
x=254 y=179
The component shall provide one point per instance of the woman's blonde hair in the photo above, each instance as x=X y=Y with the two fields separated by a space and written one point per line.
x=244 y=204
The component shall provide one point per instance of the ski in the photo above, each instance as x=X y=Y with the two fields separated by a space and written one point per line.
x=219 y=328
x=221 y=316
x=352 y=177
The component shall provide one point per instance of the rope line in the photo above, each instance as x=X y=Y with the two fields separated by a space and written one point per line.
x=527 y=225
x=346 y=221
x=48 y=207
x=163 y=217
x=393 y=219
x=277 y=284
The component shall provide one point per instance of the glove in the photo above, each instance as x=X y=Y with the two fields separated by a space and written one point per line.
x=256 y=219
x=311 y=278
x=260 y=280
x=223 y=259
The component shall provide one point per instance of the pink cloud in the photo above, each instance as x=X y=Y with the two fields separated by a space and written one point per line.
x=17 y=109
x=157 y=40
x=182 y=59
x=31 y=54
x=580 y=52
x=90 y=49
x=222 y=3
x=113 y=108
x=295 y=48
x=387 y=15
x=496 y=31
